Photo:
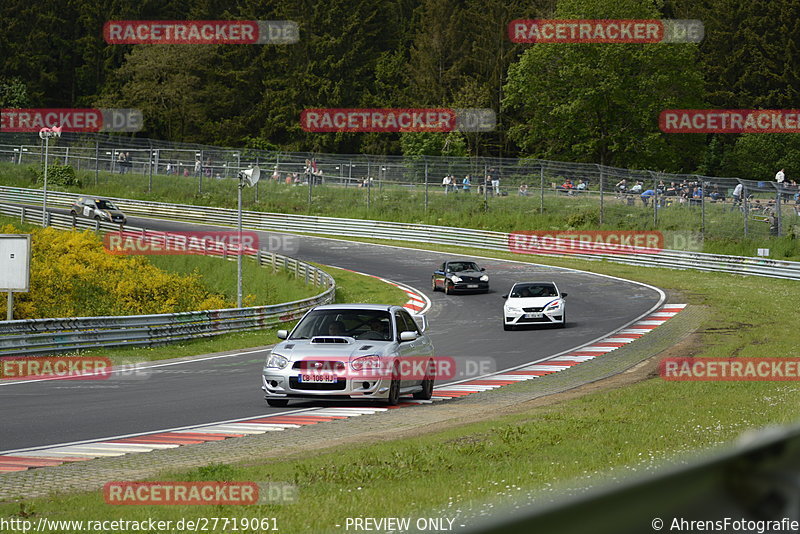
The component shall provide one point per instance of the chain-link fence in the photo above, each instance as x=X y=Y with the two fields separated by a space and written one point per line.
x=722 y=207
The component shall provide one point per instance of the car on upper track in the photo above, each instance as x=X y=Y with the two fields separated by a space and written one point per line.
x=98 y=209
x=531 y=303
x=351 y=351
x=460 y=275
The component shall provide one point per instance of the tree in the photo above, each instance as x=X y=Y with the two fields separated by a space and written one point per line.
x=13 y=93
x=758 y=156
x=177 y=87
x=601 y=102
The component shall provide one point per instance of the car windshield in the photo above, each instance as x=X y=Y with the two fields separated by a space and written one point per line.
x=105 y=205
x=459 y=266
x=359 y=324
x=521 y=291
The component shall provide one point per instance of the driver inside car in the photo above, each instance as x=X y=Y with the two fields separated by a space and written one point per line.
x=336 y=328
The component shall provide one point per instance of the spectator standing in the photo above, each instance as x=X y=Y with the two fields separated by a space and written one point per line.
x=780 y=177
x=737 y=195
x=121 y=162
x=446 y=183
x=466 y=183
x=495 y=179
x=197 y=166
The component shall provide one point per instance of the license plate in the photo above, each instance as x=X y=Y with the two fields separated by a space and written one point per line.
x=534 y=315
x=472 y=286
x=325 y=378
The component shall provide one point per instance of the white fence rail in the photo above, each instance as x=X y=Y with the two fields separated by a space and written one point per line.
x=443 y=235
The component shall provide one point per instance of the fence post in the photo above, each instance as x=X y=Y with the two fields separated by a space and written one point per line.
x=96 y=160
x=602 y=199
x=200 y=175
x=745 y=208
x=702 y=207
x=19 y=161
x=541 y=187
x=485 y=188
x=22 y=215
x=150 y=167
x=369 y=186
x=778 y=210
x=426 y=184
x=655 y=200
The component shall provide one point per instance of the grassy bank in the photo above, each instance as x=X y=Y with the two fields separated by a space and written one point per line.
x=723 y=226
x=478 y=466
x=350 y=287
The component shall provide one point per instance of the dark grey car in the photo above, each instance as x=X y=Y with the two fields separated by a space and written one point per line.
x=460 y=275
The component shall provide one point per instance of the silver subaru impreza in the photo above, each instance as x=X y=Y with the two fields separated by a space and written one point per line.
x=351 y=351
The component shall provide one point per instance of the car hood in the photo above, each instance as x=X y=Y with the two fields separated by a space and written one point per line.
x=304 y=349
x=534 y=302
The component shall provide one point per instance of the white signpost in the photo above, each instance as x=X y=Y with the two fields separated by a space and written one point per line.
x=15 y=267
x=46 y=134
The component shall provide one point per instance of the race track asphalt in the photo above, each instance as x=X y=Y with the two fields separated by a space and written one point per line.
x=465 y=327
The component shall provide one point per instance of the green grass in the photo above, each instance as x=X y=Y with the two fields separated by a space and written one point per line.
x=578 y=442
x=724 y=228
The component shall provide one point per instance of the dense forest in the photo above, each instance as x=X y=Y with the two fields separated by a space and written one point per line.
x=577 y=102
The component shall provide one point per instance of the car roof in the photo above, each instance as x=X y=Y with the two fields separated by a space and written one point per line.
x=461 y=261
x=351 y=307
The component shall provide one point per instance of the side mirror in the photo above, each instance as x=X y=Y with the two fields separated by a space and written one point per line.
x=564 y=295
x=421 y=321
x=408 y=336
x=283 y=334
x=504 y=297
x=483 y=269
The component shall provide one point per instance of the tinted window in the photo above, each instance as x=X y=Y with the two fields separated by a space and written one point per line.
x=407 y=322
x=533 y=290
x=358 y=324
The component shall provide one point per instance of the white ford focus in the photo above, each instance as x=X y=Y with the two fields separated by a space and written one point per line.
x=530 y=303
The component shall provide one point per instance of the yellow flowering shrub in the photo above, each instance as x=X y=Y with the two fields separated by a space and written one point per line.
x=72 y=275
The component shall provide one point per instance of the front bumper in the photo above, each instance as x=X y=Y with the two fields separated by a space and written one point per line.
x=286 y=385
x=555 y=316
x=468 y=286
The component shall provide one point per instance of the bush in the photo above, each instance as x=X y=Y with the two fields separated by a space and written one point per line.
x=63 y=175
x=72 y=275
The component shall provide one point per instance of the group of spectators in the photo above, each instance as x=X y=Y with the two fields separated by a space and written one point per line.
x=684 y=192
x=489 y=185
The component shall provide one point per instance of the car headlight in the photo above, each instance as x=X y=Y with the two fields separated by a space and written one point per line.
x=554 y=305
x=455 y=278
x=512 y=309
x=373 y=361
x=485 y=278
x=105 y=215
x=276 y=361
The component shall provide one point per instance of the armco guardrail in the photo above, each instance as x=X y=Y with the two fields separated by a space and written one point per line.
x=43 y=336
x=443 y=235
